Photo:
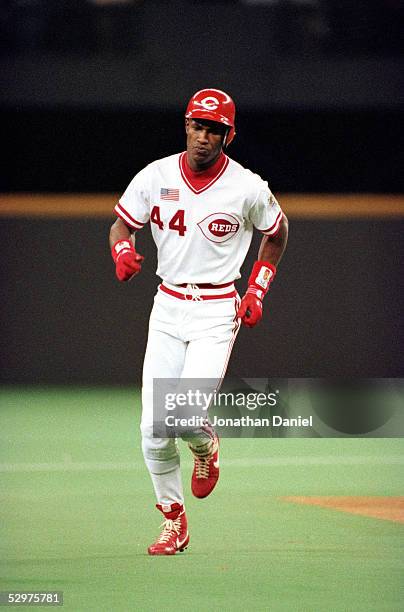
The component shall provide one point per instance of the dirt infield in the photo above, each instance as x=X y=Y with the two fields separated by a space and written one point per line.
x=385 y=508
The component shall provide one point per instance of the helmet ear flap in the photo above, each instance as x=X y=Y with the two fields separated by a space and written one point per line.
x=228 y=137
x=225 y=139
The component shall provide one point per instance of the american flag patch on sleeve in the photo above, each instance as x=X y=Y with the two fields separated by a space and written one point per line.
x=169 y=194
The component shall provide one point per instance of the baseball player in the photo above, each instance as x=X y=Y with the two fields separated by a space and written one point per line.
x=202 y=208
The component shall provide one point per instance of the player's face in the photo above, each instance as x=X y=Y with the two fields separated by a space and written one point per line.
x=204 y=142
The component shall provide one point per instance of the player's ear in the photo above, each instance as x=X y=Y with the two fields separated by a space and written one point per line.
x=186 y=125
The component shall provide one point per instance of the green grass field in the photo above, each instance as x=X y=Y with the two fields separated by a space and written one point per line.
x=78 y=513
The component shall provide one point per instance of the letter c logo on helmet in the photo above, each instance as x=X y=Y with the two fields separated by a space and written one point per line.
x=214 y=105
x=208 y=103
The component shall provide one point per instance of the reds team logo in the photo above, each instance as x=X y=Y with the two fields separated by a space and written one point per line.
x=219 y=227
x=208 y=103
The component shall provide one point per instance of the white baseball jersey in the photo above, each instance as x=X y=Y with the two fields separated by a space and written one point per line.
x=202 y=223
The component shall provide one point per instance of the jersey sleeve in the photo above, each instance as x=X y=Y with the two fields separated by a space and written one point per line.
x=265 y=213
x=134 y=205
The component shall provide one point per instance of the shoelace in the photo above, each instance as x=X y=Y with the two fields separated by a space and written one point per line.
x=170 y=526
x=202 y=462
x=202 y=467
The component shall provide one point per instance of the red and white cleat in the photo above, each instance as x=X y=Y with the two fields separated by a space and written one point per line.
x=206 y=470
x=174 y=537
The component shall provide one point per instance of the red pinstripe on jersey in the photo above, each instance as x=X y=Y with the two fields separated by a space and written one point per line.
x=236 y=329
x=127 y=218
x=273 y=230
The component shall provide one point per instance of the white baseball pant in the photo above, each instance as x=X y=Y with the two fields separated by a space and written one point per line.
x=188 y=338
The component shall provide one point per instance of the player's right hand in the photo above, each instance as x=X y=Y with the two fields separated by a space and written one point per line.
x=128 y=263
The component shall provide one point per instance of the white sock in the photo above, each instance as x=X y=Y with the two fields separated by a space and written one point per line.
x=168 y=487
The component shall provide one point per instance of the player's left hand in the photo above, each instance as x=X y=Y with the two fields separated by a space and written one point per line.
x=262 y=275
x=250 y=310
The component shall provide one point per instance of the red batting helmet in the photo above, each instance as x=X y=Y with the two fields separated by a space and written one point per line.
x=215 y=105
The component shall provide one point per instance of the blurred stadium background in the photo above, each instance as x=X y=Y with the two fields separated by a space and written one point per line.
x=91 y=91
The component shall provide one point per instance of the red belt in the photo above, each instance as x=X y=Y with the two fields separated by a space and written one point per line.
x=207 y=285
x=189 y=297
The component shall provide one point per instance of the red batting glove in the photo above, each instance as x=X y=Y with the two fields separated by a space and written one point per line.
x=262 y=275
x=250 y=310
x=127 y=261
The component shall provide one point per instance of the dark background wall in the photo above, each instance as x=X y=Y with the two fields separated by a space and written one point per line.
x=99 y=150
x=333 y=311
